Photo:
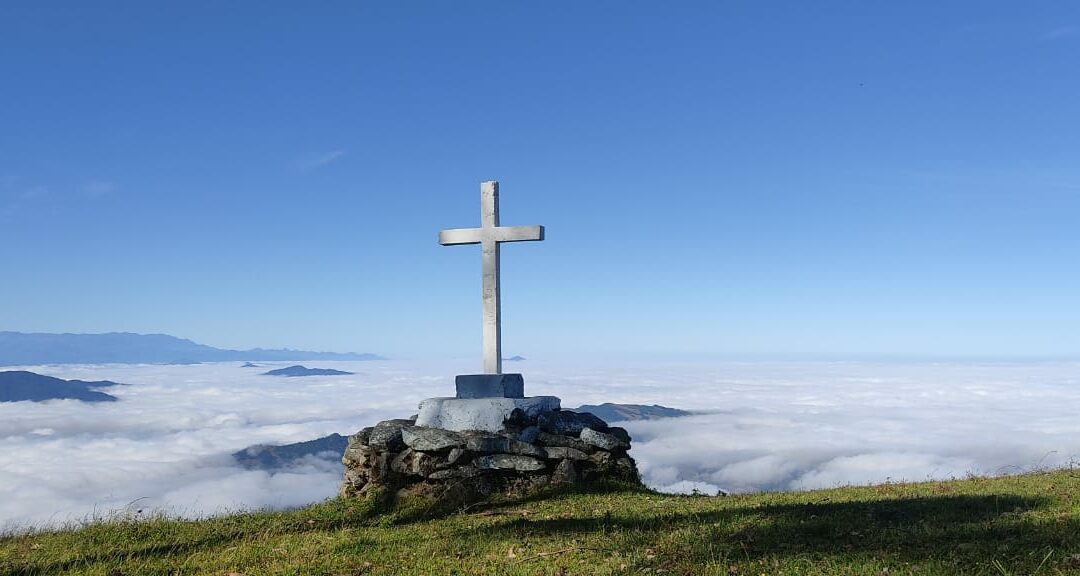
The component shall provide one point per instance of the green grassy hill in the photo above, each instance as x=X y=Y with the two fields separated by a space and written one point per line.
x=1027 y=524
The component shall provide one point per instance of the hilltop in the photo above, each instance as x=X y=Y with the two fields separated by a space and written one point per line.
x=20 y=385
x=1027 y=524
x=298 y=370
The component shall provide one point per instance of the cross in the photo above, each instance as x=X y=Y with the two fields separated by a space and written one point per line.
x=489 y=235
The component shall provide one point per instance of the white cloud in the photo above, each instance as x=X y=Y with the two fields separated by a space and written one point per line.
x=1062 y=32
x=98 y=189
x=316 y=161
x=166 y=443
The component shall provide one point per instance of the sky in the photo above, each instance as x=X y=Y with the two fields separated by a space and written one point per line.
x=717 y=179
x=165 y=445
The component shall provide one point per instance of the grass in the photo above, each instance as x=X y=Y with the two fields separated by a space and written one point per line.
x=1017 y=525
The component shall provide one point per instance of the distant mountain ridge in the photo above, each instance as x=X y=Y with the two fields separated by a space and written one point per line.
x=28 y=349
x=19 y=385
x=294 y=371
x=630 y=412
x=274 y=458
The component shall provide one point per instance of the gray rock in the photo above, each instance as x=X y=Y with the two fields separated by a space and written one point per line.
x=361 y=437
x=547 y=439
x=563 y=453
x=402 y=463
x=529 y=434
x=387 y=435
x=568 y=423
x=519 y=419
x=459 y=472
x=565 y=473
x=430 y=439
x=619 y=433
x=357 y=455
x=487 y=444
x=519 y=447
x=509 y=462
x=454 y=456
x=602 y=440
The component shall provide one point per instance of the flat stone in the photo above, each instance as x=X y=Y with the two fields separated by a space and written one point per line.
x=490 y=386
x=509 y=462
x=486 y=414
x=430 y=439
x=487 y=444
x=565 y=453
x=548 y=439
x=459 y=472
x=569 y=423
x=602 y=440
x=386 y=435
x=519 y=447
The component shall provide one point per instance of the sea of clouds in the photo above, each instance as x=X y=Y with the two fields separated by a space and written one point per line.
x=167 y=444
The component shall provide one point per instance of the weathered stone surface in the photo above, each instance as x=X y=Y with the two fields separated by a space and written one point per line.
x=430 y=439
x=519 y=419
x=509 y=462
x=487 y=444
x=602 y=440
x=402 y=462
x=568 y=423
x=529 y=434
x=455 y=455
x=519 y=447
x=626 y=468
x=386 y=435
x=563 y=452
x=547 y=439
x=486 y=414
x=619 y=433
x=459 y=472
x=357 y=455
x=362 y=436
x=565 y=473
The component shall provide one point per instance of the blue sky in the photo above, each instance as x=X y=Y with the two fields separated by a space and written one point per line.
x=717 y=179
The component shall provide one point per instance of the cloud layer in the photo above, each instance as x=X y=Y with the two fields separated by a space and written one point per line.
x=165 y=445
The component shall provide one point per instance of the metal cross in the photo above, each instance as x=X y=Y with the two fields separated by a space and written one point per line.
x=489 y=235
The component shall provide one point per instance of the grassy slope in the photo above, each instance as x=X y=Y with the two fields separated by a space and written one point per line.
x=1012 y=525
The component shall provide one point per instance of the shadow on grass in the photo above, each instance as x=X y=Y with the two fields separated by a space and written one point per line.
x=962 y=531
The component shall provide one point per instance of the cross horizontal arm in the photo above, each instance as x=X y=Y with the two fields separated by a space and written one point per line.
x=460 y=236
x=518 y=233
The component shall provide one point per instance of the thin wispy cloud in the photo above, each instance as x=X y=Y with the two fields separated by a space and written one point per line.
x=316 y=161
x=35 y=193
x=1062 y=32
x=98 y=189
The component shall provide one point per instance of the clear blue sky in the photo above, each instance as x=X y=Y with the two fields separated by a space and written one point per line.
x=738 y=179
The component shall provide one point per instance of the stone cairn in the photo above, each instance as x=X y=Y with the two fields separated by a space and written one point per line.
x=552 y=448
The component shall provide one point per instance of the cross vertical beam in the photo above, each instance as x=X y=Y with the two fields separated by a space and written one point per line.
x=491 y=295
x=490 y=235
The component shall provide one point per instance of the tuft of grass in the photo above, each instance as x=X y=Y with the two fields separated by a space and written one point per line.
x=1027 y=524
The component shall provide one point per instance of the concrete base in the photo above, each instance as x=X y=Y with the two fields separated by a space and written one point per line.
x=487 y=414
x=490 y=386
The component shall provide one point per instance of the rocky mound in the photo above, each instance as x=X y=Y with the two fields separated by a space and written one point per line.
x=556 y=447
